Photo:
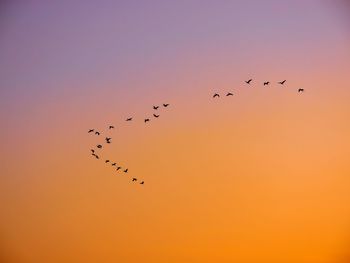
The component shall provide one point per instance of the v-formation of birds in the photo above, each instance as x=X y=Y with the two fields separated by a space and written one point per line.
x=107 y=140
x=165 y=105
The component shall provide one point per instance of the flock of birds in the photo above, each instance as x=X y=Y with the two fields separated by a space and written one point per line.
x=266 y=83
x=107 y=140
x=165 y=105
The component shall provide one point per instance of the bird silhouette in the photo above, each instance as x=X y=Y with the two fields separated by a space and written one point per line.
x=142 y=182
x=166 y=105
x=129 y=119
x=97 y=156
x=91 y=130
x=107 y=161
x=155 y=115
x=282 y=82
x=126 y=170
x=155 y=107
x=92 y=150
x=300 y=90
x=97 y=133
x=114 y=164
x=99 y=146
x=108 y=140
x=216 y=95
x=229 y=94
x=111 y=127
x=118 y=168
x=266 y=83
x=248 y=81
x=146 y=120
x=134 y=179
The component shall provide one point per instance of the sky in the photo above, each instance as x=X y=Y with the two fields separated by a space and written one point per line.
x=259 y=177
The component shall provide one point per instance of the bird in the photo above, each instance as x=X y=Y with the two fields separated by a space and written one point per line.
x=166 y=105
x=134 y=179
x=155 y=107
x=155 y=115
x=300 y=90
x=92 y=150
x=126 y=170
x=107 y=161
x=108 y=140
x=91 y=130
x=142 y=182
x=111 y=127
x=266 y=83
x=97 y=133
x=248 y=81
x=146 y=120
x=118 y=168
x=229 y=94
x=216 y=95
x=282 y=82
x=97 y=156
x=99 y=146
x=128 y=119
x=114 y=164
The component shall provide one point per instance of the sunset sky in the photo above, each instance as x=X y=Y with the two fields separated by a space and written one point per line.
x=259 y=177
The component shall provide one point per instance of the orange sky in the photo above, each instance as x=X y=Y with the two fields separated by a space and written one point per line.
x=262 y=176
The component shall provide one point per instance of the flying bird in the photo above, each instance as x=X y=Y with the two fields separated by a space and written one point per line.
x=114 y=164
x=97 y=133
x=118 y=168
x=91 y=130
x=111 y=127
x=146 y=120
x=96 y=156
x=248 y=81
x=216 y=95
x=99 y=146
x=92 y=150
x=266 y=83
x=282 y=82
x=134 y=179
x=155 y=115
x=108 y=140
x=126 y=170
x=166 y=105
x=300 y=90
x=107 y=161
x=155 y=107
x=142 y=182
x=229 y=94
x=128 y=119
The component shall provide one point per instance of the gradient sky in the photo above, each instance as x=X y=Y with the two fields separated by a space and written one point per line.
x=261 y=177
